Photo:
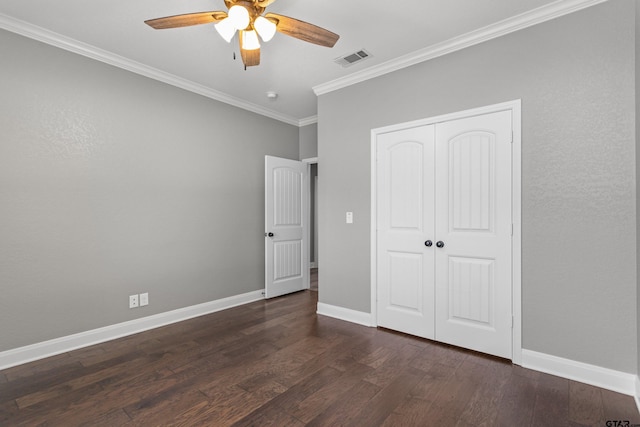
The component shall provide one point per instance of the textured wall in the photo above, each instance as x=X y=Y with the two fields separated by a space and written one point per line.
x=576 y=78
x=113 y=184
x=309 y=141
x=637 y=56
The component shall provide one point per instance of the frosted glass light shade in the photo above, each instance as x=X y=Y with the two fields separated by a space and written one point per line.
x=226 y=29
x=239 y=16
x=250 y=40
x=265 y=28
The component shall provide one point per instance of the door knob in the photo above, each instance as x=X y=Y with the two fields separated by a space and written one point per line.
x=270 y=234
x=440 y=244
x=428 y=243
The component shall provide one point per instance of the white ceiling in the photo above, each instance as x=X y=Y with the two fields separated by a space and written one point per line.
x=197 y=58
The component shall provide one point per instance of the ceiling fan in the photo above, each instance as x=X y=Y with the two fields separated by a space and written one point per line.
x=246 y=17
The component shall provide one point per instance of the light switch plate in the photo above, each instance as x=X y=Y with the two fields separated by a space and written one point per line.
x=349 y=217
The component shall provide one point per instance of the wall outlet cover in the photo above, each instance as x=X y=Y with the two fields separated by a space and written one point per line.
x=133 y=301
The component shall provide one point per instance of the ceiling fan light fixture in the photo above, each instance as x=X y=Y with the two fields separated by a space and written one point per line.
x=265 y=28
x=239 y=15
x=226 y=29
x=250 y=40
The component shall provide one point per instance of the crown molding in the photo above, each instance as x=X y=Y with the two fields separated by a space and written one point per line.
x=533 y=17
x=308 y=121
x=54 y=39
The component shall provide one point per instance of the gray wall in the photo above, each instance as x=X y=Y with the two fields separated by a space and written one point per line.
x=113 y=184
x=637 y=56
x=308 y=141
x=309 y=149
x=576 y=78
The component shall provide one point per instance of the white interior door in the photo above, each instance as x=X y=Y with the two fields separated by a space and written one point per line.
x=473 y=222
x=405 y=222
x=286 y=220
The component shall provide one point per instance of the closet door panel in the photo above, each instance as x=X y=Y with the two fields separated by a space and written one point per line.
x=473 y=222
x=405 y=215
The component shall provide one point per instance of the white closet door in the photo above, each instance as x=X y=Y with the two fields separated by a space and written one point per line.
x=405 y=218
x=473 y=222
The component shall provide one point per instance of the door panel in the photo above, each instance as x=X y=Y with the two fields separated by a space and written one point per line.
x=471 y=287
x=405 y=221
x=473 y=220
x=470 y=174
x=406 y=274
x=286 y=219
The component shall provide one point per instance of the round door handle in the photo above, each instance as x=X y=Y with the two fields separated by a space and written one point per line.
x=270 y=234
x=428 y=243
x=440 y=244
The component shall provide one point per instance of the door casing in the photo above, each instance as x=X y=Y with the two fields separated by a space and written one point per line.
x=516 y=200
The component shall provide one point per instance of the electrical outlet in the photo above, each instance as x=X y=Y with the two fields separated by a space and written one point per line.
x=133 y=301
x=144 y=299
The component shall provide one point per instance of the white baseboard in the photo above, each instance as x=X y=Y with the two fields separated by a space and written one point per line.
x=609 y=379
x=49 y=348
x=353 y=316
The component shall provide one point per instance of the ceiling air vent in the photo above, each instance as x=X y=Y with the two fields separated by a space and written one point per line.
x=352 y=58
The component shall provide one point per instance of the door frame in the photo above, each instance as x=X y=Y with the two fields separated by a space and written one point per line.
x=307 y=235
x=515 y=107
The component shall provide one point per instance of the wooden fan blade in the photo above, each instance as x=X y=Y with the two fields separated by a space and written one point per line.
x=186 y=20
x=250 y=58
x=303 y=30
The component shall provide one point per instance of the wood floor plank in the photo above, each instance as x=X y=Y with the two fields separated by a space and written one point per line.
x=276 y=362
x=8 y=410
x=344 y=412
x=272 y=416
x=56 y=410
x=40 y=380
x=296 y=374
x=114 y=418
x=39 y=367
x=552 y=401
x=309 y=385
x=227 y=406
x=452 y=394
x=89 y=377
x=585 y=404
x=156 y=410
x=412 y=412
x=382 y=405
x=484 y=404
x=518 y=401
x=319 y=401
x=617 y=406
x=387 y=371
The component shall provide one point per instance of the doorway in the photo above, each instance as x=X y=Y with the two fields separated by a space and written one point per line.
x=313 y=223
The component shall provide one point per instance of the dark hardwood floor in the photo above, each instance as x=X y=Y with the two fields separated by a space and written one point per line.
x=276 y=363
